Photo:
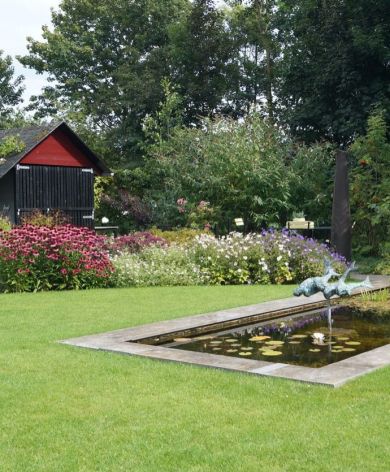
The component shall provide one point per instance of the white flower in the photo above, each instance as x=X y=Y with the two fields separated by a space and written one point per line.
x=105 y=220
x=318 y=338
x=279 y=258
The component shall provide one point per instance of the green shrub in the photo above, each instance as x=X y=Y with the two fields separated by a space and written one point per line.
x=239 y=168
x=370 y=187
x=384 y=265
x=5 y=224
x=178 y=236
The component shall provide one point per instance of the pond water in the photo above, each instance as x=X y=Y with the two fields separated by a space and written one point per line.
x=290 y=340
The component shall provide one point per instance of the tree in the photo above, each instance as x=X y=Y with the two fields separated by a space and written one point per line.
x=11 y=88
x=106 y=60
x=256 y=54
x=202 y=60
x=335 y=65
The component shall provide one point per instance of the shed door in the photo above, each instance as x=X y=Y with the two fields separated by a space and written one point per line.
x=48 y=188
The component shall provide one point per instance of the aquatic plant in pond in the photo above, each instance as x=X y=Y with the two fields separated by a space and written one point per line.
x=303 y=339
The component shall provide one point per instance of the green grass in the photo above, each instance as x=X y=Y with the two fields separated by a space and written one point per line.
x=69 y=409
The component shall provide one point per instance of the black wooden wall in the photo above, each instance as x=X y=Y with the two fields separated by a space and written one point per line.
x=48 y=188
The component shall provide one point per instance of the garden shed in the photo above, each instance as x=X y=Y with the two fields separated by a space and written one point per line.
x=54 y=171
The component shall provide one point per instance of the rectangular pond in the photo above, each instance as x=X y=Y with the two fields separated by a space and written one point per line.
x=272 y=339
x=290 y=339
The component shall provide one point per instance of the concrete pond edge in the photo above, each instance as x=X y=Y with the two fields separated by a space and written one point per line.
x=136 y=341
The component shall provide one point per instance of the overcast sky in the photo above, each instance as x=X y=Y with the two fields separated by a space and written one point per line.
x=19 y=19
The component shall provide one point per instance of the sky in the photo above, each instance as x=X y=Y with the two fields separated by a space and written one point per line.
x=19 y=19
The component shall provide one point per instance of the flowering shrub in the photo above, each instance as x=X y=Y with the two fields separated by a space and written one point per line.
x=155 y=265
x=199 y=215
x=134 y=242
x=42 y=258
x=269 y=257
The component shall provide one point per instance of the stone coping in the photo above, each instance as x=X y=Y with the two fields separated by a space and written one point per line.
x=134 y=341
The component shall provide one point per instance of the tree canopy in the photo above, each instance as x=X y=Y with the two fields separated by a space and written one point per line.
x=11 y=87
x=335 y=65
x=106 y=60
x=316 y=67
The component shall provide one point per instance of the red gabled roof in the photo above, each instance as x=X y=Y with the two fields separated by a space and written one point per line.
x=59 y=149
x=55 y=145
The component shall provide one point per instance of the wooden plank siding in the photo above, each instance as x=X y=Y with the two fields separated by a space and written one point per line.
x=48 y=188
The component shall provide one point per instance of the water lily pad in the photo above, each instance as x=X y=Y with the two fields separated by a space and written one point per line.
x=315 y=350
x=275 y=343
x=217 y=349
x=352 y=343
x=298 y=336
x=338 y=347
x=231 y=350
x=294 y=342
x=342 y=338
x=348 y=349
x=247 y=348
x=272 y=353
x=259 y=338
x=231 y=340
x=182 y=340
x=270 y=347
x=216 y=342
x=244 y=353
x=203 y=338
x=336 y=350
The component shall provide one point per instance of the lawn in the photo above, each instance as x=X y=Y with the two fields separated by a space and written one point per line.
x=69 y=409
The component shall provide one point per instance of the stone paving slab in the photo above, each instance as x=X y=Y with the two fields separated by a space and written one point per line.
x=127 y=341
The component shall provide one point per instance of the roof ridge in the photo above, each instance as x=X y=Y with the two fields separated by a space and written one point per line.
x=51 y=125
